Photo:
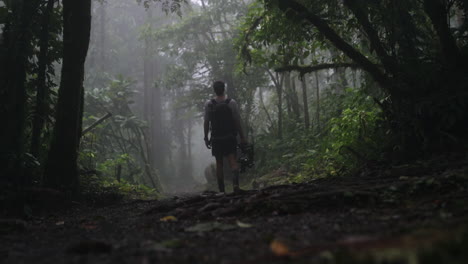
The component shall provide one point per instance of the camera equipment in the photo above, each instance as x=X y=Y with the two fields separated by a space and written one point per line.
x=246 y=158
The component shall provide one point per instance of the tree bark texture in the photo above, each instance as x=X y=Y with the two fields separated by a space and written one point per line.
x=40 y=114
x=61 y=168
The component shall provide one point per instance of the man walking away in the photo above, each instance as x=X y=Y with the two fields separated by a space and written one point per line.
x=223 y=119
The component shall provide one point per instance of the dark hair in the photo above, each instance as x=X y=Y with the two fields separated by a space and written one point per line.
x=218 y=87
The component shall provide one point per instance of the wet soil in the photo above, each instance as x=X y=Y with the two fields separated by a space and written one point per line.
x=415 y=209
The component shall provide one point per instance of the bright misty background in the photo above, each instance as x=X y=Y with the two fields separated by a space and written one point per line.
x=153 y=73
x=153 y=70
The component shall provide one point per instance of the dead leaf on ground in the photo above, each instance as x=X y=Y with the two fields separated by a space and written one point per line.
x=169 y=218
x=279 y=248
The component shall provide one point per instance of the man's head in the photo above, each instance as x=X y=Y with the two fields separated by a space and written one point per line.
x=218 y=88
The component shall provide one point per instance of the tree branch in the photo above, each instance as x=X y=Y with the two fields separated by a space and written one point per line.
x=244 y=49
x=383 y=80
x=93 y=125
x=304 y=69
x=388 y=62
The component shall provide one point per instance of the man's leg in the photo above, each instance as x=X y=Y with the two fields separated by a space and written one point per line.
x=235 y=171
x=219 y=173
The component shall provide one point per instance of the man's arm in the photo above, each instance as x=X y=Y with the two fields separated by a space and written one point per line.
x=206 y=126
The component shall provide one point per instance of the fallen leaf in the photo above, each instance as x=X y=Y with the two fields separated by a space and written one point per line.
x=279 y=248
x=60 y=223
x=243 y=225
x=169 y=218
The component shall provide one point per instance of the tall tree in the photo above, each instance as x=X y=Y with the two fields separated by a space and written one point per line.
x=42 y=103
x=61 y=168
x=13 y=71
x=305 y=102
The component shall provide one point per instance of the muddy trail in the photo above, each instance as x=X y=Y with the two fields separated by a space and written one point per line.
x=408 y=214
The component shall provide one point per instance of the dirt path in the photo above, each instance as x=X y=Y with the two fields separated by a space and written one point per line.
x=335 y=220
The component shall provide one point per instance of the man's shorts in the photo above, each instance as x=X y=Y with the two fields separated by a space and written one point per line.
x=223 y=146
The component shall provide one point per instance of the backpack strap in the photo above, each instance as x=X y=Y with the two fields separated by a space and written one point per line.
x=213 y=103
x=227 y=101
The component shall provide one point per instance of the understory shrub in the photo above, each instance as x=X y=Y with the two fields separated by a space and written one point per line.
x=352 y=133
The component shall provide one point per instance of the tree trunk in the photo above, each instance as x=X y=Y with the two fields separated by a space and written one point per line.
x=102 y=37
x=361 y=15
x=305 y=102
x=148 y=73
x=437 y=12
x=61 y=168
x=287 y=91
x=17 y=41
x=41 y=110
x=317 y=99
x=279 y=92
x=158 y=137
x=262 y=105
x=295 y=100
x=278 y=83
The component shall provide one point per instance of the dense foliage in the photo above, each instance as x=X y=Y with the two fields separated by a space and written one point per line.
x=324 y=87
x=413 y=50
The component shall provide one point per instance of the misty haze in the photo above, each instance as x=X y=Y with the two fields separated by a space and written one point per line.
x=234 y=131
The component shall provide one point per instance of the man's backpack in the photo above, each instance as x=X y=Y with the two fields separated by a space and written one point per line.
x=222 y=120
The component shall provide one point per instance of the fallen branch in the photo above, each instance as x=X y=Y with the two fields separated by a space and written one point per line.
x=99 y=121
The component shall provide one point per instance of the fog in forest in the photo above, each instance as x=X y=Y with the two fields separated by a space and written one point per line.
x=149 y=72
x=351 y=119
x=155 y=101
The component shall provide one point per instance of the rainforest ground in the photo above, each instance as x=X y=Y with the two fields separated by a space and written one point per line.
x=412 y=213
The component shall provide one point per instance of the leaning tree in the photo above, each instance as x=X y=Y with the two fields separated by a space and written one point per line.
x=414 y=50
